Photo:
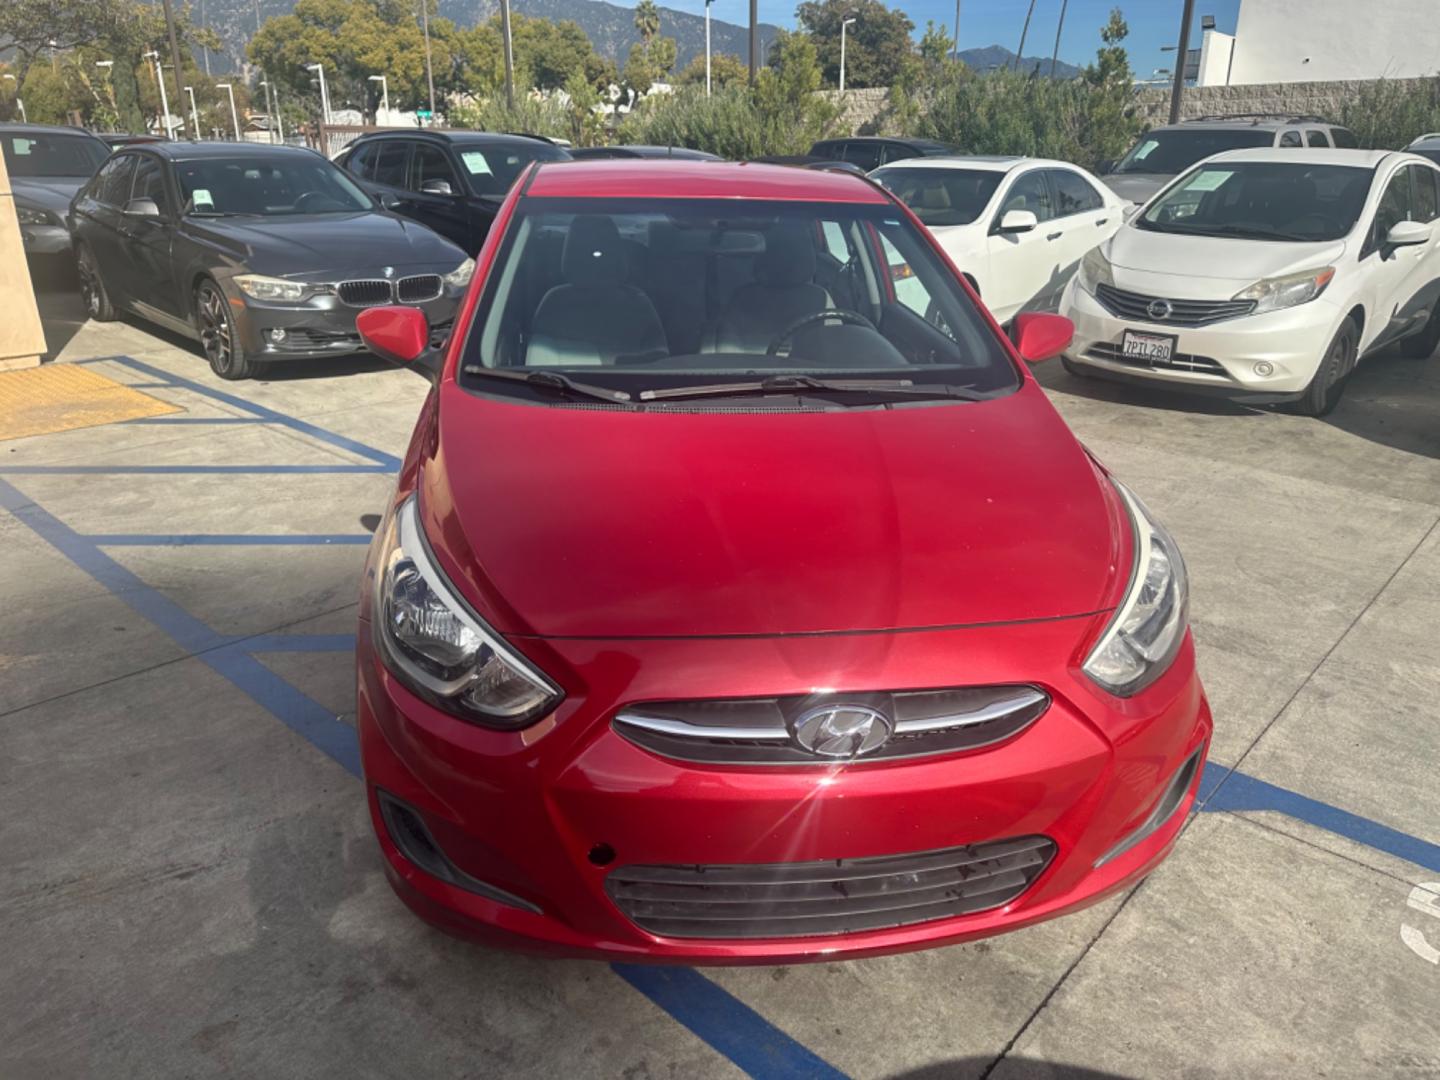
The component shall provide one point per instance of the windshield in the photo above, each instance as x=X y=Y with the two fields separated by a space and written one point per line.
x=493 y=167
x=641 y=295
x=302 y=183
x=942 y=196
x=1170 y=152
x=53 y=155
x=1263 y=201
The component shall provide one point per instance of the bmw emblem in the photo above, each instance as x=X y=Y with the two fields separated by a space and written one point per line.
x=841 y=731
x=1159 y=309
x=388 y=271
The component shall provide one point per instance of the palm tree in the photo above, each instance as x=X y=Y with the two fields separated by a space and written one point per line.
x=647 y=22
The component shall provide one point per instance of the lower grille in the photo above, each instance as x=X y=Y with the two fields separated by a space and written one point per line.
x=370 y=292
x=418 y=289
x=305 y=337
x=1131 y=305
x=1203 y=365
x=838 y=896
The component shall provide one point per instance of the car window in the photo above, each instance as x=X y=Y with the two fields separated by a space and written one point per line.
x=149 y=183
x=494 y=166
x=430 y=163
x=896 y=152
x=864 y=154
x=1423 y=192
x=1316 y=137
x=832 y=233
x=1290 y=137
x=1174 y=150
x=1030 y=192
x=830 y=148
x=387 y=162
x=942 y=196
x=268 y=186
x=112 y=186
x=1262 y=200
x=359 y=161
x=52 y=155
x=1073 y=193
x=1395 y=206
x=910 y=290
x=1344 y=138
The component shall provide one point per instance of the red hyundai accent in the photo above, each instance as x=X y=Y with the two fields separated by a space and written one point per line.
x=744 y=599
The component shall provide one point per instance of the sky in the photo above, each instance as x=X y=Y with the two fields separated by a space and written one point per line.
x=1153 y=23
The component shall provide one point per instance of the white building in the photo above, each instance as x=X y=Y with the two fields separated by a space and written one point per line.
x=1323 y=41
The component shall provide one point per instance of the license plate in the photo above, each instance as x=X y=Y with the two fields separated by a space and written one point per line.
x=1151 y=348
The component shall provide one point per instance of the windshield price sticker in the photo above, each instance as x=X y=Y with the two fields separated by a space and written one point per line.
x=1208 y=180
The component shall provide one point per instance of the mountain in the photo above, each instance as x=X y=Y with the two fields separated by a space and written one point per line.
x=993 y=56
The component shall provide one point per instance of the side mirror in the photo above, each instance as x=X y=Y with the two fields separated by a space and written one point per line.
x=1039 y=336
x=437 y=187
x=1017 y=221
x=389 y=201
x=400 y=335
x=1408 y=233
x=142 y=208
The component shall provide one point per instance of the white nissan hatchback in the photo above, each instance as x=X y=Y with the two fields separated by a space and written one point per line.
x=1266 y=276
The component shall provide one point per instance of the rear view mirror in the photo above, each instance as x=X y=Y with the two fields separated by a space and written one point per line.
x=1040 y=336
x=142 y=208
x=1017 y=221
x=400 y=335
x=437 y=187
x=1408 y=233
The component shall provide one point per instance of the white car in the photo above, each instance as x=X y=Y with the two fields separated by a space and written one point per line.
x=1266 y=276
x=1015 y=227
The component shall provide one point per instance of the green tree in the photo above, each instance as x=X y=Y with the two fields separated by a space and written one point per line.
x=726 y=69
x=647 y=22
x=876 y=44
x=648 y=65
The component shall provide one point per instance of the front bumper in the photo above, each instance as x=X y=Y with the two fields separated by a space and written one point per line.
x=526 y=812
x=45 y=239
x=1219 y=359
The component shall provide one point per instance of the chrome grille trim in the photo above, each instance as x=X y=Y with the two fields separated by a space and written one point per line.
x=1200 y=365
x=1133 y=305
x=418 y=288
x=365 y=292
x=754 y=731
x=827 y=897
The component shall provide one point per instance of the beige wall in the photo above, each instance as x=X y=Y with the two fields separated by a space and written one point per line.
x=22 y=341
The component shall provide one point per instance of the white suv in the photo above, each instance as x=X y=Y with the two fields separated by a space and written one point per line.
x=1266 y=275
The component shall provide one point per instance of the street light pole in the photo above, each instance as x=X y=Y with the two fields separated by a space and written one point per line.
x=754 y=36
x=164 y=99
x=273 y=94
x=234 y=116
x=1059 y=27
x=1177 y=89
x=843 y=24
x=429 y=72
x=194 y=113
x=509 y=55
x=955 y=52
x=707 y=47
x=174 y=51
x=1024 y=32
x=384 y=93
x=319 y=69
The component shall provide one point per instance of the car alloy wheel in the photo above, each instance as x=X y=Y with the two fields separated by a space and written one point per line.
x=1325 y=389
x=92 y=289
x=217 y=334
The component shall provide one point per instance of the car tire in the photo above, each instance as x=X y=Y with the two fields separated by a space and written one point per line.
x=1422 y=346
x=219 y=337
x=92 y=289
x=1326 y=388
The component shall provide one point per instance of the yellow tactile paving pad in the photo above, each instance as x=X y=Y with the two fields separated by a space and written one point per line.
x=62 y=397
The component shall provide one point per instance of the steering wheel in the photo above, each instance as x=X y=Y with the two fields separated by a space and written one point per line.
x=854 y=318
x=303 y=202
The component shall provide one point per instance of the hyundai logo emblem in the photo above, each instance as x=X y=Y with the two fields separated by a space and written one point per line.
x=1159 y=310
x=840 y=731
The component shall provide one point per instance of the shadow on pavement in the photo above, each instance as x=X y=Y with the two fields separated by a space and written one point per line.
x=1010 y=1068
x=57 y=295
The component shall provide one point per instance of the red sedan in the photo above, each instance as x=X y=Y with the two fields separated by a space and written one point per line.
x=744 y=599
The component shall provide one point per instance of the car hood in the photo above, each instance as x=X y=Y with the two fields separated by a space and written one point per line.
x=1207 y=267
x=49 y=193
x=590 y=522
x=304 y=245
x=1136 y=187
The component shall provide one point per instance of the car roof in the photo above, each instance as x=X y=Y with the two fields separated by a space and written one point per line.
x=47 y=129
x=982 y=162
x=1232 y=123
x=1365 y=159
x=622 y=178
x=455 y=135
x=1426 y=142
x=900 y=139
x=185 y=150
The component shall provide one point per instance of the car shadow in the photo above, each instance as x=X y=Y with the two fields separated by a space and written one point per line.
x=1020 y=1068
x=1053 y=376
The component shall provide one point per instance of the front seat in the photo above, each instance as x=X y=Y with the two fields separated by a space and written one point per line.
x=783 y=293
x=594 y=317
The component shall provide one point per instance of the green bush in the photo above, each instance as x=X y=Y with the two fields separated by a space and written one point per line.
x=1388 y=115
x=538 y=116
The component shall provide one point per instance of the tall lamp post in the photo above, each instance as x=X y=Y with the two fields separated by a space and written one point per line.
x=843 y=24
x=1182 y=53
x=429 y=71
x=384 y=93
x=164 y=100
x=234 y=116
x=274 y=95
x=19 y=103
x=319 y=69
x=707 y=47
x=194 y=112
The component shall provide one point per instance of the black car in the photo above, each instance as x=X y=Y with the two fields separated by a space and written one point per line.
x=47 y=166
x=260 y=252
x=871 y=151
x=680 y=153
x=452 y=181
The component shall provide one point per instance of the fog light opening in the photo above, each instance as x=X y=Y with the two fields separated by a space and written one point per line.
x=1264 y=368
x=602 y=854
x=1169 y=802
x=276 y=335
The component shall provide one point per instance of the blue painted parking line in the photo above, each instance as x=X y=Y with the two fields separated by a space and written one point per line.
x=300 y=643
x=226 y=539
x=727 y=1024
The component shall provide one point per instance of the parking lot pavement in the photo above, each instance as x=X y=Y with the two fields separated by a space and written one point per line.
x=192 y=887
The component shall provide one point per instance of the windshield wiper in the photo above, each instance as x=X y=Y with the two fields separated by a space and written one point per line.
x=778 y=384
x=549 y=380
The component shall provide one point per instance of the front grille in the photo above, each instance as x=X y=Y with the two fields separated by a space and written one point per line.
x=368 y=292
x=297 y=337
x=1202 y=365
x=418 y=289
x=1131 y=305
x=836 y=896
x=762 y=731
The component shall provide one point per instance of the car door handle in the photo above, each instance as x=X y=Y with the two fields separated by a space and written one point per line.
x=1102 y=221
x=1055 y=236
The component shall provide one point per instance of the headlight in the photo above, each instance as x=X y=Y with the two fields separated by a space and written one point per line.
x=271 y=288
x=1094 y=271
x=33 y=215
x=1145 y=634
x=461 y=275
x=438 y=647
x=1272 y=294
